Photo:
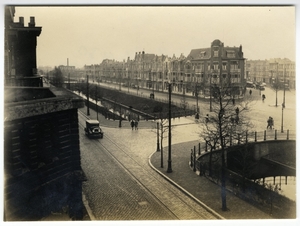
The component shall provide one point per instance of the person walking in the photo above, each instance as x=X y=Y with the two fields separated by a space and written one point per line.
x=272 y=123
x=132 y=124
x=250 y=92
x=269 y=123
x=206 y=118
x=263 y=97
x=136 y=123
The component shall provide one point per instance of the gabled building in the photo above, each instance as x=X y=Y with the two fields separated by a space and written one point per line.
x=217 y=65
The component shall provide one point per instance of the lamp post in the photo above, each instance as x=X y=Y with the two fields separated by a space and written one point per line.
x=87 y=95
x=157 y=127
x=210 y=98
x=283 y=104
x=97 y=101
x=169 y=170
x=276 y=82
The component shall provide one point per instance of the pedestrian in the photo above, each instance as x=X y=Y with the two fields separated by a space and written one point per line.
x=269 y=123
x=132 y=124
x=206 y=118
x=263 y=97
x=237 y=119
x=136 y=123
x=250 y=92
x=272 y=123
x=237 y=111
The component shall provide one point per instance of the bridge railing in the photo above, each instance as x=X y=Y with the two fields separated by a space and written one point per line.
x=242 y=138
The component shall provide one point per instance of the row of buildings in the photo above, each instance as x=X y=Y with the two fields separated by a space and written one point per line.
x=271 y=71
x=216 y=65
x=195 y=73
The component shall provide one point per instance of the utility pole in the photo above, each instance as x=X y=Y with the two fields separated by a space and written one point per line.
x=276 y=82
x=157 y=128
x=210 y=98
x=97 y=101
x=169 y=170
x=283 y=103
x=68 y=74
x=87 y=95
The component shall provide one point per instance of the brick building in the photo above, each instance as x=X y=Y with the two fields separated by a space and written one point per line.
x=269 y=70
x=42 y=170
x=215 y=65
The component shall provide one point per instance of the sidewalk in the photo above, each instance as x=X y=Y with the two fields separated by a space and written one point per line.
x=183 y=177
x=201 y=188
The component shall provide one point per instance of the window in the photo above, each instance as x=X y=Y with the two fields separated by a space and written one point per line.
x=202 y=54
x=208 y=66
x=224 y=65
x=216 y=66
x=230 y=54
x=216 y=53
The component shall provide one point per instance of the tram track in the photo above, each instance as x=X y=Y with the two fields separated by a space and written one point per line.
x=178 y=203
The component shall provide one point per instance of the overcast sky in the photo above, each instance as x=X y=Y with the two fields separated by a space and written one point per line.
x=87 y=35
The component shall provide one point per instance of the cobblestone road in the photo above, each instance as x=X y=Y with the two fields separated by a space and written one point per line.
x=130 y=189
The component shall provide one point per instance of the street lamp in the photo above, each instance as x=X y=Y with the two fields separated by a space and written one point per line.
x=87 y=95
x=97 y=101
x=283 y=104
x=210 y=98
x=169 y=170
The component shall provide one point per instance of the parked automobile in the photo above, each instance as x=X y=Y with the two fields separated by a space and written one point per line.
x=250 y=84
x=92 y=129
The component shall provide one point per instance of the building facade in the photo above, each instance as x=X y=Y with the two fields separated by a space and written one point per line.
x=268 y=71
x=42 y=165
x=20 y=51
x=216 y=65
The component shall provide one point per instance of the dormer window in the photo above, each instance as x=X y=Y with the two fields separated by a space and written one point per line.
x=202 y=54
x=230 y=54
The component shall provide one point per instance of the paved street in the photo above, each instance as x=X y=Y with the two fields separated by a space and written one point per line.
x=128 y=174
x=122 y=186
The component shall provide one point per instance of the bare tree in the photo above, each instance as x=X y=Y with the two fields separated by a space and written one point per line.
x=224 y=126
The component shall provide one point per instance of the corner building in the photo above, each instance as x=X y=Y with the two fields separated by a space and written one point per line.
x=215 y=66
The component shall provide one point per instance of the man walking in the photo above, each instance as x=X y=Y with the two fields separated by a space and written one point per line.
x=132 y=124
x=136 y=123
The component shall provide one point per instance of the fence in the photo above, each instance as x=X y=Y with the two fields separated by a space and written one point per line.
x=244 y=138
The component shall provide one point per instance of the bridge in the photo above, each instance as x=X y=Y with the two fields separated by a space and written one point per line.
x=262 y=154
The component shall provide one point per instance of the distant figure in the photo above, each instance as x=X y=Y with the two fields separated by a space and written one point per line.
x=250 y=92
x=136 y=123
x=206 y=118
x=263 y=97
x=132 y=124
x=237 y=111
x=233 y=101
x=270 y=123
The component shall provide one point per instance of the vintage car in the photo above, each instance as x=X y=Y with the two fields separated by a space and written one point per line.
x=92 y=129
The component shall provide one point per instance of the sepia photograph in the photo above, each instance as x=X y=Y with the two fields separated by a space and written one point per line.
x=149 y=113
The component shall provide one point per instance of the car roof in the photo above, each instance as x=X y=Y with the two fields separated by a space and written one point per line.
x=92 y=121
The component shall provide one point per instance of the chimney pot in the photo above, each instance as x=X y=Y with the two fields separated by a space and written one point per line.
x=32 y=22
x=21 y=21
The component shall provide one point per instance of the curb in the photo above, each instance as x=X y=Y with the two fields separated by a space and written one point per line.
x=184 y=191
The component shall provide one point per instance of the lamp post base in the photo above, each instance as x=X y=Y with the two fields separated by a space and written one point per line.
x=169 y=170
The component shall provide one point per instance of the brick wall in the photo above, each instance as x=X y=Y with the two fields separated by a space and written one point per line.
x=42 y=166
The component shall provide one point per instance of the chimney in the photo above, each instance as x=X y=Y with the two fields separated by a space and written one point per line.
x=32 y=22
x=21 y=21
